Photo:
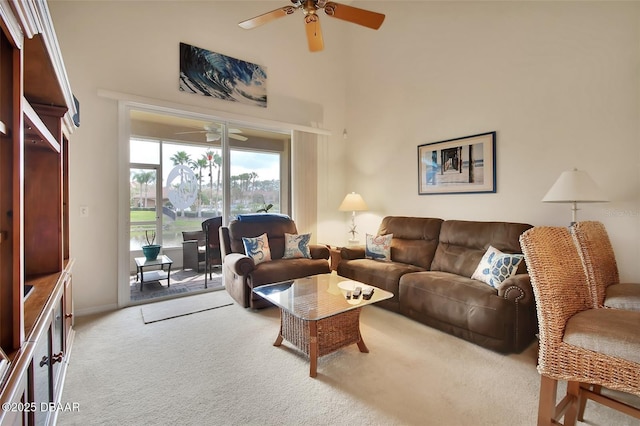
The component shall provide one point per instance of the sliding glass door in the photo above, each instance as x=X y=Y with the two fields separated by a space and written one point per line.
x=184 y=170
x=144 y=209
x=185 y=190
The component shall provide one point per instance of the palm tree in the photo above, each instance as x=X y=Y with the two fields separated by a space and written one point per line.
x=182 y=158
x=214 y=161
x=245 y=178
x=217 y=160
x=199 y=164
x=252 y=177
x=144 y=179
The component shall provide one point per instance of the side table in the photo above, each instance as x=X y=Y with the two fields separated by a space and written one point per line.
x=335 y=256
x=161 y=261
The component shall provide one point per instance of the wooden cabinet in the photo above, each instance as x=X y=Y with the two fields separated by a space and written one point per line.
x=34 y=383
x=36 y=110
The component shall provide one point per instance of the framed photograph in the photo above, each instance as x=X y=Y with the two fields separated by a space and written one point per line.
x=458 y=166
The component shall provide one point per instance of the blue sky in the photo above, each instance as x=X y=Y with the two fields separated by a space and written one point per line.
x=266 y=165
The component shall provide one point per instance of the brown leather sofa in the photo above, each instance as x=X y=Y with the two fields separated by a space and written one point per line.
x=240 y=272
x=432 y=261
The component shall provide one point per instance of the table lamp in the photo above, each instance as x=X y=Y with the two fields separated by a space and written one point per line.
x=353 y=202
x=575 y=186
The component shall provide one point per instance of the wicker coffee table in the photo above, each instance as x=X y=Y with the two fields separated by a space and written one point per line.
x=316 y=316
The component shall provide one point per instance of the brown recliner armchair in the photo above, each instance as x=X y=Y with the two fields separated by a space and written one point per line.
x=241 y=274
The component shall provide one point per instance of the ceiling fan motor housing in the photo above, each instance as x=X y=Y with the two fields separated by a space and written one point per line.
x=340 y=11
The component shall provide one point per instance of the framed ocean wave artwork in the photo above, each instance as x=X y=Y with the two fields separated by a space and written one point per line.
x=208 y=73
x=458 y=166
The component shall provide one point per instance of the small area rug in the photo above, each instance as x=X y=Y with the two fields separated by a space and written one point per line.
x=174 y=308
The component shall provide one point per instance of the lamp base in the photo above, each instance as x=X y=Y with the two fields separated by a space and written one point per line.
x=352 y=242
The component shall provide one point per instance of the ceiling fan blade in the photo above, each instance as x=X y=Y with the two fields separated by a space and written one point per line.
x=363 y=17
x=267 y=17
x=314 y=32
x=186 y=133
x=237 y=137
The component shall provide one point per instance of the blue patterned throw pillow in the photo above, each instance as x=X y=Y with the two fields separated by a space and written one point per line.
x=503 y=267
x=257 y=248
x=495 y=267
x=378 y=247
x=296 y=246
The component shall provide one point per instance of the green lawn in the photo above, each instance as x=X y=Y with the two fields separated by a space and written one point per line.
x=142 y=215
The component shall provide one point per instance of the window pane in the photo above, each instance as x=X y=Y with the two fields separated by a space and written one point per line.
x=144 y=151
x=142 y=202
x=192 y=189
x=186 y=153
x=255 y=182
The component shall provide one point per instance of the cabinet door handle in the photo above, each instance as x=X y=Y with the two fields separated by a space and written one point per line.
x=68 y=316
x=44 y=361
x=57 y=358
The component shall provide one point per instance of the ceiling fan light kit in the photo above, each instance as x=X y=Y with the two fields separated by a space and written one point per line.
x=355 y=15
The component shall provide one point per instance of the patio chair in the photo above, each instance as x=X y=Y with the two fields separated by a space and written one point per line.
x=579 y=344
x=210 y=229
x=193 y=249
x=599 y=261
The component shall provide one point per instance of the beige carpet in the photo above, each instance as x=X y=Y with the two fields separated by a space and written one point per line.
x=169 y=309
x=219 y=367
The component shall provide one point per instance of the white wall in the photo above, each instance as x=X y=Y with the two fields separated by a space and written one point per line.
x=132 y=47
x=558 y=81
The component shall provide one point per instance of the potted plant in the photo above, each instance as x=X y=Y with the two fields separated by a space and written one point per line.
x=265 y=209
x=151 y=250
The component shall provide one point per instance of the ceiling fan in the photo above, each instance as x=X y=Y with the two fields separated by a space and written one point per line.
x=212 y=133
x=310 y=8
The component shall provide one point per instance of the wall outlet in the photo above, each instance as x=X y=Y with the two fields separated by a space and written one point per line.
x=84 y=211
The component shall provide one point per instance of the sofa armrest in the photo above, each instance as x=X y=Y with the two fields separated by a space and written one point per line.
x=517 y=288
x=319 y=251
x=350 y=253
x=239 y=263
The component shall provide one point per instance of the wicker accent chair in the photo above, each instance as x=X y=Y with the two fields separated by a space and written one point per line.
x=579 y=344
x=600 y=265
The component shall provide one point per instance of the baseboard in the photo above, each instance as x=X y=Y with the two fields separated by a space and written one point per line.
x=95 y=310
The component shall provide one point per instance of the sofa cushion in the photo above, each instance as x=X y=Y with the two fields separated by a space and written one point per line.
x=463 y=243
x=378 y=247
x=286 y=269
x=296 y=246
x=458 y=304
x=384 y=275
x=257 y=248
x=414 y=239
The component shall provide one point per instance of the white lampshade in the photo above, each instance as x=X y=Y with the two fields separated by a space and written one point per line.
x=353 y=203
x=575 y=186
